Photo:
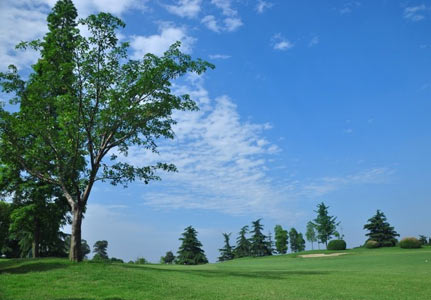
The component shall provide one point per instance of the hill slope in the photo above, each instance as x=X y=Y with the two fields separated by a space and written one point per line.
x=361 y=274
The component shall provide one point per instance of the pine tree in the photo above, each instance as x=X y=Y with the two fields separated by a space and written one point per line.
x=226 y=252
x=325 y=225
x=242 y=248
x=281 y=239
x=190 y=252
x=311 y=233
x=381 y=231
x=259 y=247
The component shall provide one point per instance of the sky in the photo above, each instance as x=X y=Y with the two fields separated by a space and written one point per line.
x=310 y=102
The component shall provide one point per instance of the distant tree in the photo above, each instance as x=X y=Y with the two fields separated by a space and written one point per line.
x=116 y=260
x=281 y=239
x=100 y=248
x=300 y=242
x=381 y=231
x=243 y=245
x=141 y=261
x=259 y=246
x=85 y=248
x=310 y=234
x=325 y=225
x=293 y=237
x=169 y=258
x=226 y=253
x=269 y=244
x=423 y=239
x=190 y=251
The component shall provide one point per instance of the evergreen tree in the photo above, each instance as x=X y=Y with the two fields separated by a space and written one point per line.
x=169 y=258
x=100 y=249
x=325 y=225
x=300 y=242
x=381 y=231
x=293 y=237
x=226 y=252
x=259 y=246
x=269 y=244
x=311 y=234
x=242 y=248
x=281 y=239
x=190 y=252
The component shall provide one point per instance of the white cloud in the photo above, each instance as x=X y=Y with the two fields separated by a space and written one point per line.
x=415 y=13
x=281 y=43
x=348 y=7
x=231 y=21
x=261 y=6
x=159 y=43
x=219 y=56
x=314 y=41
x=185 y=8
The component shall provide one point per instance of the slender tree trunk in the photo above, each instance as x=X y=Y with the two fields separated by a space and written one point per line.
x=36 y=240
x=75 y=240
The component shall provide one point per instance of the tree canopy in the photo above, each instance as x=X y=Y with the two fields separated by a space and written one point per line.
x=326 y=225
x=190 y=251
x=281 y=239
x=226 y=253
x=381 y=231
x=83 y=101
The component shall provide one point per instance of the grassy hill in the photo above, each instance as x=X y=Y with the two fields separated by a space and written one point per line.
x=391 y=273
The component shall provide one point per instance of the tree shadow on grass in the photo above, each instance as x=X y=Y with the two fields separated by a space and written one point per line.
x=276 y=274
x=27 y=267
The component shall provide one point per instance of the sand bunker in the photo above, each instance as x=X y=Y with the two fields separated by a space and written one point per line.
x=321 y=255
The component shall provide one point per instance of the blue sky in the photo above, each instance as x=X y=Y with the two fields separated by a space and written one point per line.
x=310 y=101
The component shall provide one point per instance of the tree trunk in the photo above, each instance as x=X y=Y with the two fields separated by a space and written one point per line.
x=36 y=240
x=75 y=240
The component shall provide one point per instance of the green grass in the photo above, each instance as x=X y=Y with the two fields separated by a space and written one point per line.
x=390 y=273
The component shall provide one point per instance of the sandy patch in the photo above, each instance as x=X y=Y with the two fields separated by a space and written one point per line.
x=321 y=255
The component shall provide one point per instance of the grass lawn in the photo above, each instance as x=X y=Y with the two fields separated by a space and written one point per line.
x=391 y=273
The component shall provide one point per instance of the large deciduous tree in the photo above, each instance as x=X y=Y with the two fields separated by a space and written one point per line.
x=326 y=225
x=84 y=103
x=381 y=231
x=190 y=251
x=310 y=234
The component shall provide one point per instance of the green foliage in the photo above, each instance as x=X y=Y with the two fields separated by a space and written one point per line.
x=169 y=258
x=410 y=243
x=5 y=211
x=116 y=260
x=311 y=234
x=423 y=239
x=325 y=225
x=100 y=249
x=381 y=231
x=226 y=252
x=258 y=241
x=297 y=242
x=141 y=261
x=281 y=239
x=190 y=251
x=243 y=245
x=337 y=245
x=370 y=244
x=84 y=99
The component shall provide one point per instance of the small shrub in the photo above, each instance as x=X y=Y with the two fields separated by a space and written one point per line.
x=141 y=261
x=372 y=244
x=410 y=242
x=337 y=245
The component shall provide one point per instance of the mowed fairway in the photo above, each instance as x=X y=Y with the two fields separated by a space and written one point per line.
x=361 y=274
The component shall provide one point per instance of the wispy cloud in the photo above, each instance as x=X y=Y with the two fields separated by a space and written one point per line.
x=158 y=43
x=261 y=6
x=229 y=22
x=219 y=56
x=279 y=42
x=185 y=8
x=314 y=41
x=348 y=7
x=415 y=13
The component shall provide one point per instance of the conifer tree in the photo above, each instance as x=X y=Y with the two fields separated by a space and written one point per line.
x=242 y=248
x=259 y=246
x=381 y=231
x=190 y=251
x=281 y=239
x=325 y=225
x=226 y=252
x=269 y=244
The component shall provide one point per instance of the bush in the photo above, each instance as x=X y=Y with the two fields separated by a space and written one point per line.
x=372 y=244
x=337 y=245
x=141 y=261
x=410 y=242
